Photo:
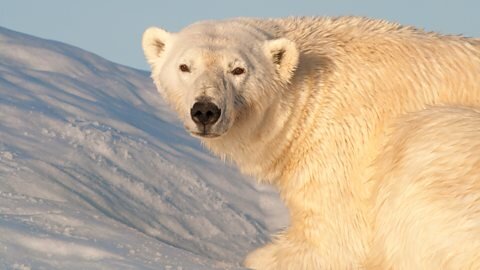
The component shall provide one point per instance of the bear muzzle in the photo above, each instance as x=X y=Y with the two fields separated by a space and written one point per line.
x=205 y=114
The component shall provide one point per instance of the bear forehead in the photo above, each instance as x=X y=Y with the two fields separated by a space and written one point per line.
x=222 y=32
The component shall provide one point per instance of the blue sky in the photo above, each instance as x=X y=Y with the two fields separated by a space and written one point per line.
x=113 y=29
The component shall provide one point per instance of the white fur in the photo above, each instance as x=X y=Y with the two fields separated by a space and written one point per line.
x=315 y=113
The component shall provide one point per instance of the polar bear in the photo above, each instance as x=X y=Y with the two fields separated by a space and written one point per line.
x=314 y=106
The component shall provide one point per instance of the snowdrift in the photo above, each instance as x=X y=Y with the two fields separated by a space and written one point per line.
x=96 y=173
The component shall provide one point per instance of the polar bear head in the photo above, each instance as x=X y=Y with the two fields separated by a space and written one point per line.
x=217 y=74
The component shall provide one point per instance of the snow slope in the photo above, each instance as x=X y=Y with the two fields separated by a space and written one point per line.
x=95 y=172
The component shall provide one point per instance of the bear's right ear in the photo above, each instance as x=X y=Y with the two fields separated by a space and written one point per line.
x=153 y=43
x=284 y=55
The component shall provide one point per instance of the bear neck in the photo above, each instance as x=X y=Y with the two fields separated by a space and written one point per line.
x=257 y=144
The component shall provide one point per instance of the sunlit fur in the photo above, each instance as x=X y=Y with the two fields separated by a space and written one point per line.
x=327 y=121
x=427 y=208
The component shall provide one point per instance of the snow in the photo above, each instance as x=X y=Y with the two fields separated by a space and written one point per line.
x=96 y=172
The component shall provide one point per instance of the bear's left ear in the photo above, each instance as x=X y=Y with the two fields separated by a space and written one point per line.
x=284 y=55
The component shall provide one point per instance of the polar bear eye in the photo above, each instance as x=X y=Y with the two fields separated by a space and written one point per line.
x=238 y=71
x=184 y=68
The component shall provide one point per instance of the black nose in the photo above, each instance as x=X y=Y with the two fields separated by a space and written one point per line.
x=205 y=112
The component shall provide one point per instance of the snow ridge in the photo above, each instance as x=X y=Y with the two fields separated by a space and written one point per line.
x=96 y=173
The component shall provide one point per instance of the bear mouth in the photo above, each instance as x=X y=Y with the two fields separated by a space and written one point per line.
x=205 y=134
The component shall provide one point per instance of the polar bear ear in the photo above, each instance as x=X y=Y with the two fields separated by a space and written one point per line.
x=153 y=43
x=284 y=55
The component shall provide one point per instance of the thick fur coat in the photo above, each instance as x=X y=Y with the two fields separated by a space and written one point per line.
x=368 y=129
